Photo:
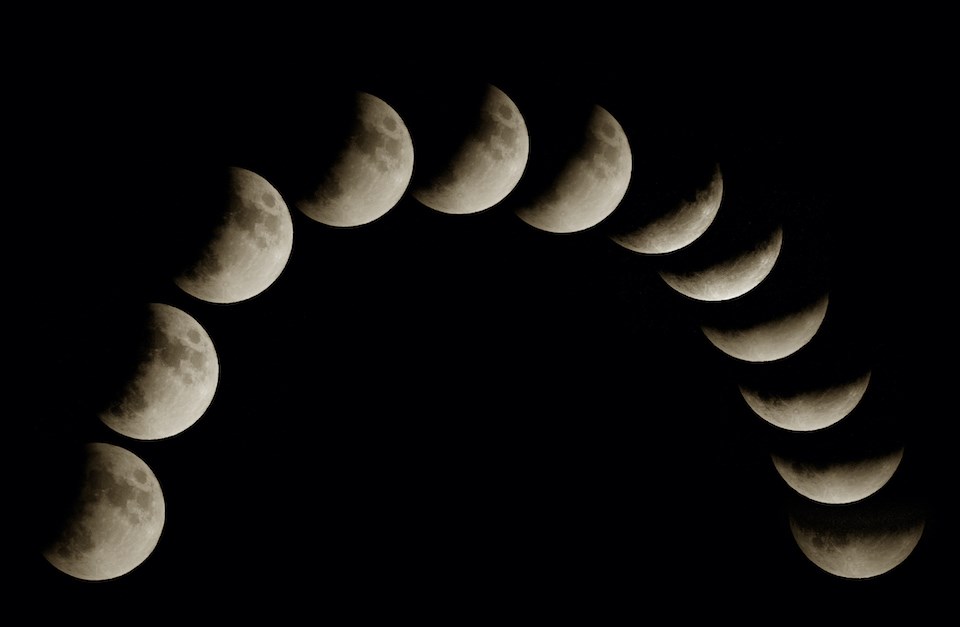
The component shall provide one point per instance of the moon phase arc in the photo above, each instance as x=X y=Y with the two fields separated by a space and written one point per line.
x=174 y=383
x=591 y=183
x=250 y=246
x=371 y=172
x=486 y=166
x=815 y=406
x=683 y=223
x=839 y=481
x=116 y=519
x=730 y=277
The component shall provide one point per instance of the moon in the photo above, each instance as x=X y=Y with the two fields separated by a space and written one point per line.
x=838 y=481
x=770 y=339
x=857 y=541
x=370 y=174
x=731 y=277
x=488 y=164
x=115 y=522
x=813 y=407
x=250 y=246
x=174 y=383
x=679 y=227
x=591 y=183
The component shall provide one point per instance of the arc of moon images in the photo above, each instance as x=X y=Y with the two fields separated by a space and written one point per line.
x=773 y=338
x=728 y=278
x=371 y=172
x=591 y=184
x=174 y=383
x=488 y=164
x=679 y=227
x=809 y=409
x=250 y=247
x=116 y=520
x=860 y=540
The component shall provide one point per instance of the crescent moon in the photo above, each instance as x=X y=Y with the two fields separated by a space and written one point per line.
x=488 y=164
x=812 y=408
x=591 y=184
x=685 y=223
x=771 y=339
x=370 y=174
x=731 y=277
x=839 y=482
x=174 y=383
x=116 y=520
x=250 y=246
x=861 y=540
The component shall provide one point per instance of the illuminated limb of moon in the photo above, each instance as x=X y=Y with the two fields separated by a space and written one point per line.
x=116 y=520
x=488 y=164
x=809 y=409
x=174 y=383
x=250 y=247
x=370 y=174
x=838 y=482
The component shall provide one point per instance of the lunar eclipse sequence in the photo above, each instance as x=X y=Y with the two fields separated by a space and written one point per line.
x=730 y=263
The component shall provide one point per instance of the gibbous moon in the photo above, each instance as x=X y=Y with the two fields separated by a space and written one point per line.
x=116 y=520
x=840 y=482
x=370 y=174
x=857 y=541
x=250 y=247
x=174 y=383
x=488 y=164
x=808 y=409
x=591 y=184
x=770 y=339
x=729 y=278
x=679 y=227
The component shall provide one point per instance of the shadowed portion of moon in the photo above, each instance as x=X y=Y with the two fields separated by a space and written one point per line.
x=369 y=174
x=858 y=540
x=590 y=183
x=724 y=276
x=174 y=383
x=485 y=167
x=115 y=519
x=250 y=243
x=673 y=221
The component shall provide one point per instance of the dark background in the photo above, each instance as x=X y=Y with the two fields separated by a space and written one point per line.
x=436 y=413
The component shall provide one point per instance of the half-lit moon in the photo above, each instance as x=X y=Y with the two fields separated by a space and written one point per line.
x=250 y=246
x=488 y=164
x=679 y=227
x=731 y=277
x=116 y=520
x=174 y=383
x=370 y=174
x=770 y=339
x=809 y=409
x=840 y=482
x=857 y=541
x=591 y=184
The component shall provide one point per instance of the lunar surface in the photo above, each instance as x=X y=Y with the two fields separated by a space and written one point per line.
x=250 y=247
x=371 y=173
x=116 y=520
x=174 y=383
x=590 y=186
x=810 y=409
x=488 y=164
x=839 y=482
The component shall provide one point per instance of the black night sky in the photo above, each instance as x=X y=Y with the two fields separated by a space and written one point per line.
x=462 y=412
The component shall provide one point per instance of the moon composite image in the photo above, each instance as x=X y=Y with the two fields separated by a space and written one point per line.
x=431 y=340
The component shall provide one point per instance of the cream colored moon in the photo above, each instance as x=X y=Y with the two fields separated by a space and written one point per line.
x=487 y=166
x=810 y=409
x=771 y=339
x=117 y=518
x=250 y=247
x=677 y=228
x=841 y=482
x=371 y=173
x=175 y=381
x=855 y=541
x=731 y=277
x=591 y=184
